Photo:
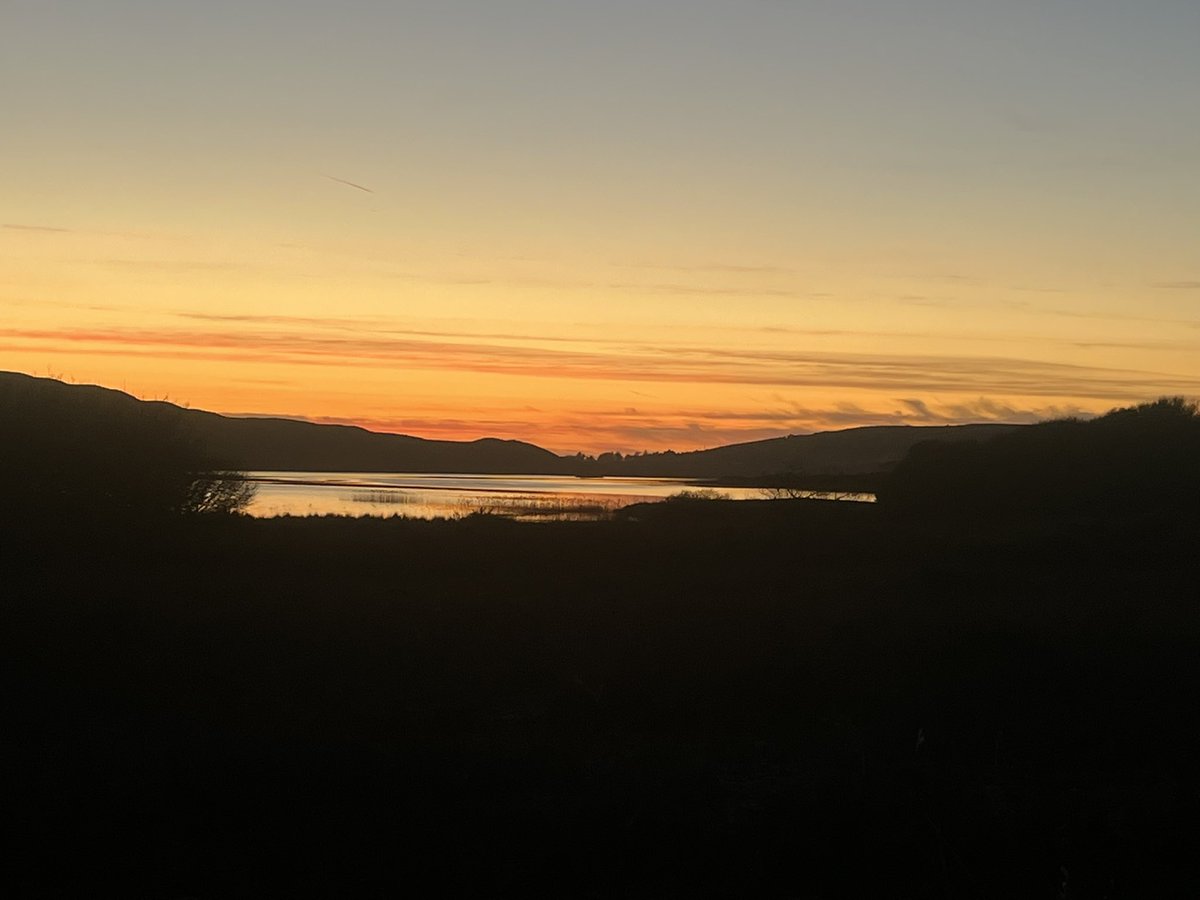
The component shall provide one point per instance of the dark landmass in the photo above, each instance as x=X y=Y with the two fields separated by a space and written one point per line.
x=975 y=688
x=869 y=450
x=1131 y=462
x=270 y=444
x=285 y=444
x=760 y=699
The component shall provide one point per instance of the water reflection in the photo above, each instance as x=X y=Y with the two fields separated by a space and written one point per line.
x=429 y=496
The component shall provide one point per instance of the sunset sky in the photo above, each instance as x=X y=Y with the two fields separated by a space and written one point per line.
x=605 y=225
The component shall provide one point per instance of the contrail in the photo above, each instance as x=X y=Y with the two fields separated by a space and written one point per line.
x=349 y=183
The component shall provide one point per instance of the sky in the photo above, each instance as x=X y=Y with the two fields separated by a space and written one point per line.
x=605 y=226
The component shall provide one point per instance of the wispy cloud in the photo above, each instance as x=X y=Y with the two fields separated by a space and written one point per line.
x=177 y=265
x=61 y=304
x=37 y=228
x=268 y=319
x=684 y=289
x=1178 y=285
x=1110 y=316
x=48 y=229
x=376 y=325
x=720 y=267
x=1187 y=346
x=795 y=418
x=645 y=363
x=372 y=325
x=347 y=183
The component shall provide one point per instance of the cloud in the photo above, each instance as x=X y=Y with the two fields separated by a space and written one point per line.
x=795 y=418
x=1110 y=317
x=378 y=325
x=732 y=268
x=381 y=326
x=260 y=319
x=178 y=265
x=1035 y=289
x=62 y=304
x=953 y=278
x=630 y=363
x=55 y=229
x=348 y=183
x=920 y=408
x=1178 y=285
x=672 y=288
x=1167 y=346
x=40 y=228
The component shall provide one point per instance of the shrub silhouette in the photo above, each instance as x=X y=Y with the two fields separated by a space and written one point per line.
x=692 y=495
x=1135 y=460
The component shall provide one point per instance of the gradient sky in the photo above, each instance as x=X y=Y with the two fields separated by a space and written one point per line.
x=605 y=225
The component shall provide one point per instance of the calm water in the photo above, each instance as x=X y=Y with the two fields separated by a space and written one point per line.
x=429 y=496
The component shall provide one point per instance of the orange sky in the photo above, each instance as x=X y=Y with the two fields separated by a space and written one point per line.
x=606 y=230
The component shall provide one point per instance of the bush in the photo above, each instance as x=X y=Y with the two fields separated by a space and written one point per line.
x=697 y=494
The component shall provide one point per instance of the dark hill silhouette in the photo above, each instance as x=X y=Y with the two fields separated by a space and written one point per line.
x=286 y=444
x=1141 y=460
x=252 y=443
x=94 y=456
x=869 y=449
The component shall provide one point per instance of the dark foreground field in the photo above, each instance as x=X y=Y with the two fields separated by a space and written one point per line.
x=791 y=699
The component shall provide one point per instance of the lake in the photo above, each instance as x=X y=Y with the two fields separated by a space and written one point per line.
x=431 y=496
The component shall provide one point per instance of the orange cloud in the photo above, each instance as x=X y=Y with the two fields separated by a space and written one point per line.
x=693 y=364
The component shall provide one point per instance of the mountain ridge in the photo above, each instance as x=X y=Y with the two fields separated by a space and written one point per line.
x=276 y=443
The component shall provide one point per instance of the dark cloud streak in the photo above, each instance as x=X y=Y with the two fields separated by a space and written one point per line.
x=347 y=183
x=45 y=229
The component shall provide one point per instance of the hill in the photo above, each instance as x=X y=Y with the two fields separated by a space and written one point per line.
x=284 y=444
x=291 y=445
x=1138 y=461
x=869 y=449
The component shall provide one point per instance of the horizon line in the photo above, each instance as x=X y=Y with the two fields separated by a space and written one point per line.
x=363 y=423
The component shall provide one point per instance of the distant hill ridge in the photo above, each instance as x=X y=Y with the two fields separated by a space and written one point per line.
x=866 y=449
x=254 y=443
x=288 y=444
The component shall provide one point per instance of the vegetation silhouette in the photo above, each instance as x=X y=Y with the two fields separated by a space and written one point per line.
x=770 y=698
x=1140 y=460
